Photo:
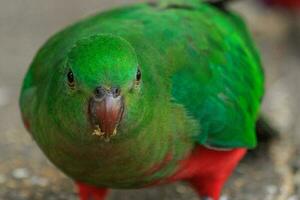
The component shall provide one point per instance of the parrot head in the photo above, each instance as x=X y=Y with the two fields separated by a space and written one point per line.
x=102 y=83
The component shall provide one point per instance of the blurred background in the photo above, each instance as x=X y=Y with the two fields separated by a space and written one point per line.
x=272 y=172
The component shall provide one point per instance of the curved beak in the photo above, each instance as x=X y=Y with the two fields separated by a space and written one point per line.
x=106 y=113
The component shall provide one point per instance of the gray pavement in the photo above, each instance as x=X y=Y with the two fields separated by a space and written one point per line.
x=272 y=172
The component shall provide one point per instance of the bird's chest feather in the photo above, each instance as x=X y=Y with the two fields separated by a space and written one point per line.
x=128 y=164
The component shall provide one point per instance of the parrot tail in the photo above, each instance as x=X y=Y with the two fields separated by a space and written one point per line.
x=264 y=130
x=220 y=4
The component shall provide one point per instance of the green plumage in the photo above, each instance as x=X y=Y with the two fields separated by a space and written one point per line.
x=202 y=83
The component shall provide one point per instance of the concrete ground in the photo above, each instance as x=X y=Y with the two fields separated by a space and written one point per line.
x=272 y=172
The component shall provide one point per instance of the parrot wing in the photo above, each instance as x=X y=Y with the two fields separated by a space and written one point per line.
x=222 y=86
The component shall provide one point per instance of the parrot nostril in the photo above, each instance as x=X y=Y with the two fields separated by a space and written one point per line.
x=100 y=92
x=115 y=91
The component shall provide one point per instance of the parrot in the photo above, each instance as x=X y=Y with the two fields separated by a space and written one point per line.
x=146 y=94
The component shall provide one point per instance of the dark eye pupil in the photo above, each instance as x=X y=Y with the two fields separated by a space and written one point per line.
x=138 y=75
x=70 y=77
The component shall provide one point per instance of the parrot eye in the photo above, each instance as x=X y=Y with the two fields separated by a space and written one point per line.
x=136 y=84
x=71 y=81
x=138 y=76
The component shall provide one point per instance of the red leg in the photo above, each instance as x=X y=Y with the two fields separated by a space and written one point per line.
x=207 y=170
x=208 y=187
x=214 y=168
x=87 y=192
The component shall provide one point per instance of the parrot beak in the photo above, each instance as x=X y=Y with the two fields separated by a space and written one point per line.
x=106 y=111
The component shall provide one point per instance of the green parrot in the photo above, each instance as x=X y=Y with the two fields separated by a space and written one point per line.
x=146 y=94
